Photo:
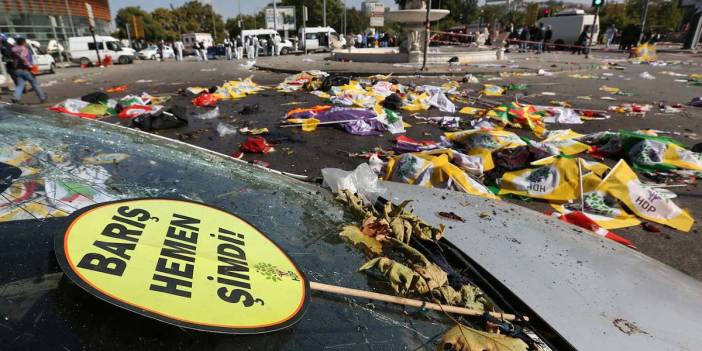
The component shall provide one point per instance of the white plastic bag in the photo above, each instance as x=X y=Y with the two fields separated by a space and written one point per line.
x=362 y=181
x=224 y=129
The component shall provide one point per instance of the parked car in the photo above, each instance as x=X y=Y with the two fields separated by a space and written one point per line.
x=151 y=52
x=285 y=46
x=580 y=291
x=82 y=50
x=216 y=52
x=40 y=58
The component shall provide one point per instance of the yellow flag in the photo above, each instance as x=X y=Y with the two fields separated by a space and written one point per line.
x=555 y=181
x=646 y=202
x=599 y=207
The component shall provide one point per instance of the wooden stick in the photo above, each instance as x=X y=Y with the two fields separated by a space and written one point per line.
x=408 y=302
x=328 y=122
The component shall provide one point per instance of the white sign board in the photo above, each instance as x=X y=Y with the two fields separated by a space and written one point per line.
x=286 y=18
x=377 y=14
x=91 y=17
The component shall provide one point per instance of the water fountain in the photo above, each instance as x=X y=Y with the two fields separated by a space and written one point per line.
x=413 y=17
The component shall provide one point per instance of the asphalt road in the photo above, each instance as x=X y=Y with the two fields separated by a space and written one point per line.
x=307 y=153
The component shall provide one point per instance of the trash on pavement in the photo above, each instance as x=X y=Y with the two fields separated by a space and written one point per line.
x=646 y=75
x=204 y=113
x=205 y=99
x=224 y=129
x=256 y=145
x=117 y=89
x=254 y=131
x=361 y=181
x=158 y=121
x=631 y=109
x=493 y=90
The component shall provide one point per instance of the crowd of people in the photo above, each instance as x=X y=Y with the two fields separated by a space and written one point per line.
x=372 y=40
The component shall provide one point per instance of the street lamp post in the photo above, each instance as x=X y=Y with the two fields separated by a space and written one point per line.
x=275 y=16
x=426 y=37
x=643 y=22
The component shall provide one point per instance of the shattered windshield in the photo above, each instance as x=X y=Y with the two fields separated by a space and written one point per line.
x=54 y=166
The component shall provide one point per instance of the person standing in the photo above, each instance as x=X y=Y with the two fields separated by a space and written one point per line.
x=256 y=46
x=239 y=48
x=179 y=50
x=524 y=37
x=548 y=35
x=160 y=50
x=609 y=34
x=23 y=71
x=227 y=49
x=249 y=48
x=359 y=40
x=540 y=34
x=276 y=45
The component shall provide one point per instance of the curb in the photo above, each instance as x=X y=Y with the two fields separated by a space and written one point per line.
x=412 y=73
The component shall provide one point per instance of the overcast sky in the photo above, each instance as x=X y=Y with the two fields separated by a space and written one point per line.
x=226 y=8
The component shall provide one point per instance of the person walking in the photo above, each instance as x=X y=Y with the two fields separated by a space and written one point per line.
x=203 y=51
x=548 y=35
x=23 y=71
x=609 y=34
x=579 y=47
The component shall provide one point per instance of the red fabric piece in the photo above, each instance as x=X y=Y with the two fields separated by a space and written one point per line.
x=205 y=99
x=134 y=111
x=406 y=139
x=583 y=221
x=118 y=89
x=256 y=145
x=61 y=109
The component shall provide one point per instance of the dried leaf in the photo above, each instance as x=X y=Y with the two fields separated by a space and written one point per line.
x=469 y=297
x=462 y=338
x=402 y=278
x=432 y=274
x=451 y=216
x=376 y=228
x=366 y=243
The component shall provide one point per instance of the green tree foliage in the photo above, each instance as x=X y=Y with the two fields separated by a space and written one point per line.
x=195 y=16
x=168 y=21
x=152 y=29
x=663 y=15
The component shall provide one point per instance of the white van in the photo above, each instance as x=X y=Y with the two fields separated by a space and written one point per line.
x=40 y=58
x=568 y=24
x=285 y=46
x=318 y=38
x=82 y=50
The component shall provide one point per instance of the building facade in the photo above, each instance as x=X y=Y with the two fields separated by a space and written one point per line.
x=32 y=19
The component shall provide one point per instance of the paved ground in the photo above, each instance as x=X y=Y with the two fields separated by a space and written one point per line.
x=307 y=153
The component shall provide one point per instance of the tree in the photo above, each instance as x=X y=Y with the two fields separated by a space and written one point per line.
x=195 y=16
x=168 y=21
x=152 y=30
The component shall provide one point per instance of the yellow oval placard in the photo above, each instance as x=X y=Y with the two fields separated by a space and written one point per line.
x=184 y=263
